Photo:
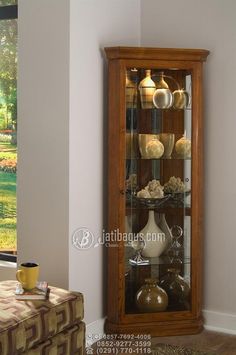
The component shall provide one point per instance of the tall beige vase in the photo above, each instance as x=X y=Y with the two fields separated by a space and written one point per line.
x=147 y=88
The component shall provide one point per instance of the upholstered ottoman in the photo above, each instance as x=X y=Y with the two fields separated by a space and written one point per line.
x=51 y=327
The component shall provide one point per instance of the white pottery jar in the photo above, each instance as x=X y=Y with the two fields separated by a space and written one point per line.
x=154 y=238
x=162 y=97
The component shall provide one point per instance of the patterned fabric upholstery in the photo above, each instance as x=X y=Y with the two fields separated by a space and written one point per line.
x=68 y=342
x=25 y=324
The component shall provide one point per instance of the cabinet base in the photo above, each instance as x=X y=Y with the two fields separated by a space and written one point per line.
x=182 y=327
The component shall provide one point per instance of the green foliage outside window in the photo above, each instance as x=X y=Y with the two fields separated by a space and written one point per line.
x=8 y=126
x=8 y=2
x=8 y=73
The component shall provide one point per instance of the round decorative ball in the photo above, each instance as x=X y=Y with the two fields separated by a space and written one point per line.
x=154 y=149
x=183 y=148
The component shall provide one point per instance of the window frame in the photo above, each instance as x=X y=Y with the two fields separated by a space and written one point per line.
x=8 y=12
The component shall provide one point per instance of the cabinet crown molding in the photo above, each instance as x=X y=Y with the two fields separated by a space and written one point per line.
x=150 y=53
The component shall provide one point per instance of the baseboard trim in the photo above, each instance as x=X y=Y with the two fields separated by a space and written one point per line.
x=214 y=321
x=220 y=322
x=94 y=331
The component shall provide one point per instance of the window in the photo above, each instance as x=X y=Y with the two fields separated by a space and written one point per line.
x=8 y=128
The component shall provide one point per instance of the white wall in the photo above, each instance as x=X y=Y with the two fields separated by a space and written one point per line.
x=94 y=25
x=7 y=270
x=62 y=130
x=209 y=24
x=43 y=137
x=61 y=84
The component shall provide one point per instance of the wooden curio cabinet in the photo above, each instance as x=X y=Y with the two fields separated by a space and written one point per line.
x=155 y=190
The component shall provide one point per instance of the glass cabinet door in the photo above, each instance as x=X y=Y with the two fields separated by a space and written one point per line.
x=158 y=190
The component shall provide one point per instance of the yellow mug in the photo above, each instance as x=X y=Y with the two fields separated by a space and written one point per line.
x=27 y=275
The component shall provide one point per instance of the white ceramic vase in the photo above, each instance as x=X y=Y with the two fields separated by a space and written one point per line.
x=168 y=141
x=165 y=228
x=155 y=240
x=162 y=97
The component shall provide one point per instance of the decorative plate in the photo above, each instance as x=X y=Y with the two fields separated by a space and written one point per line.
x=151 y=202
x=178 y=197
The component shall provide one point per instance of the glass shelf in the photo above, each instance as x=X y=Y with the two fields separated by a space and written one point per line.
x=162 y=260
x=171 y=308
x=150 y=159
x=167 y=209
x=171 y=109
x=170 y=201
